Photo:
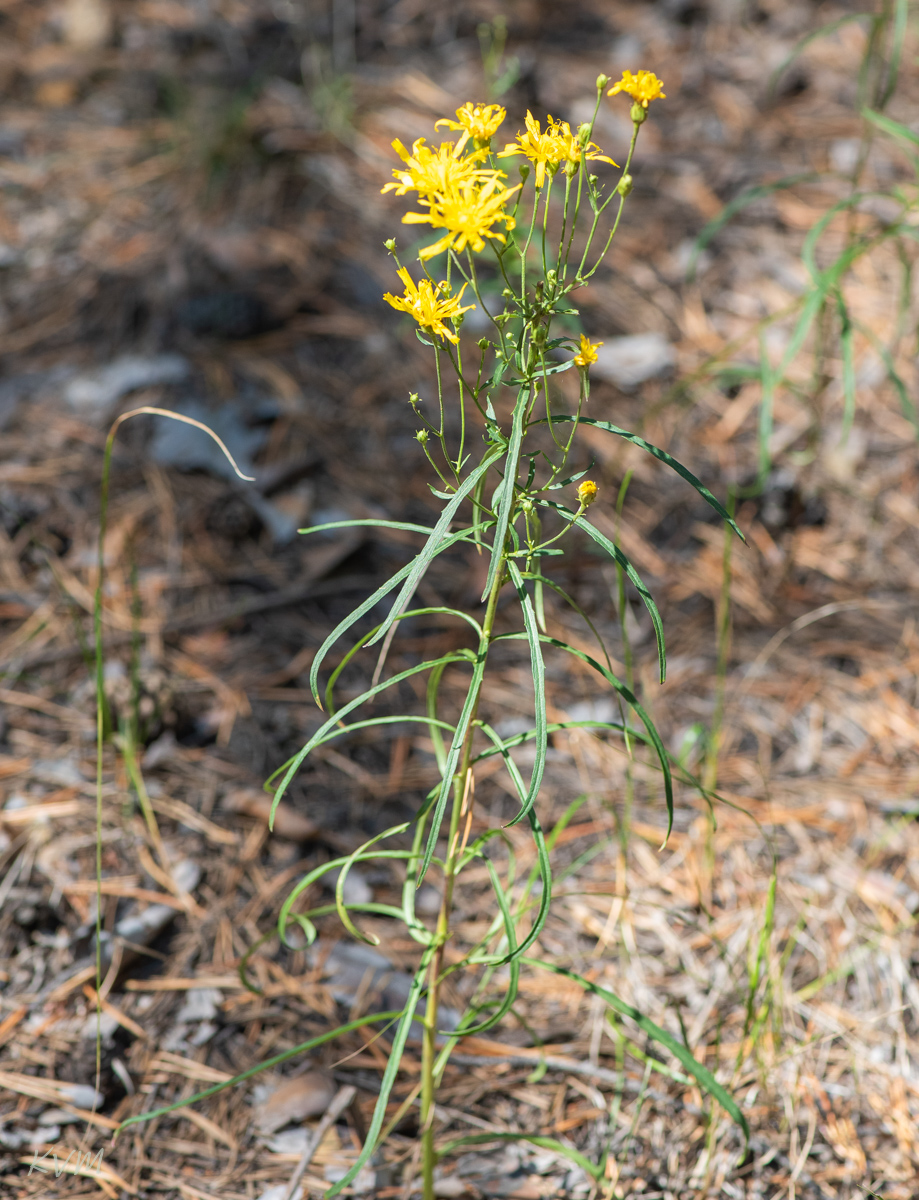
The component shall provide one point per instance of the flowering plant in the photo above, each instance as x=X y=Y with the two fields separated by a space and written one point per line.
x=504 y=468
x=497 y=479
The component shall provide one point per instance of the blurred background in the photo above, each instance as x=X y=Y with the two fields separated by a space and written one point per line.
x=191 y=217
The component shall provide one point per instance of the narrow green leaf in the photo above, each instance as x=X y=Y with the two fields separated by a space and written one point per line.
x=437 y=542
x=703 y=1076
x=512 y=959
x=594 y=1170
x=661 y=456
x=302 y=1048
x=389 y=1076
x=894 y=129
x=291 y=767
x=539 y=688
x=364 y=607
x=732 y=208
x=617 y=554
x=508 y=498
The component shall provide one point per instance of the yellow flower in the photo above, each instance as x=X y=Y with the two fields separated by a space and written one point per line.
x=477 y=121
x=588 y=352
x=643 y=87
x=429 y=170
x=429 y=304
x=467 y=212
x=557 y=145
x=587 y=493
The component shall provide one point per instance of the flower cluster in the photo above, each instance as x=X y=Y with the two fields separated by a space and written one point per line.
x=460 y=195
x=548 y=150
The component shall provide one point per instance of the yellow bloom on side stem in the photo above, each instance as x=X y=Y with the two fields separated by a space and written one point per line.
x=550 y=148
x=428 y=169
x=467 y=212
x=429 y=304
x=587 y=493
x=587 y=353
x=643 y=87
x=477 y=121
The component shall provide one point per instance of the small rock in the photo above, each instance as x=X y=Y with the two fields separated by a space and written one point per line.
x=81 y=1095
x=356 y=889
x=278 y=1191
x=307 y=1095
x=629 y=361
x=96 y=393
x=427 y=901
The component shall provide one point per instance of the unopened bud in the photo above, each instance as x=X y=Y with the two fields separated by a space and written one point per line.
x=524 y=170
x=483 y=343
x=638 y=114
x=390 y=244
x=624 y=186
x=602 y=81
x=422 y=436
x=583 y=134
x=414 y=399
x=587 y=493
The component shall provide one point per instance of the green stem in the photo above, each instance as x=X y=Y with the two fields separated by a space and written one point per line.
x=461 y=794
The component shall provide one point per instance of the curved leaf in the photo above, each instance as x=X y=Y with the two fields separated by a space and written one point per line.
x=539 y=690
x=638 y=583
x=661 y=456
x=703 y=1076
x=438 y=541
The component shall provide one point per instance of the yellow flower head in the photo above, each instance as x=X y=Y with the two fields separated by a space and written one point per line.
x=550 y=148
x=428 y=170
x=477 y=121
x=467 y=212
x=587 y=493
x=643 y=87
x=587 y=353
x=429 y=304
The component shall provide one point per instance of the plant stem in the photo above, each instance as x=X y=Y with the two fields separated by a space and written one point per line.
x=462 y=796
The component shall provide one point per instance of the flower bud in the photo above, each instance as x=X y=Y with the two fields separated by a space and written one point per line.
x=390 y=244
x=583 y=134
x=638 y=114
x=587 y=493
x=414 y=399
x=624 y=186
x=483 y=343
x=422 y=437
x=524 y=170
x=602 y=81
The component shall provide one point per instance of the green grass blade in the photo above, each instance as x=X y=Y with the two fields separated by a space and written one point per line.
x=803 y=43
x=733 y=207
x=702 y=1075
x=661 y=456
x=539 y=686
x=302 y=1048
x=594 y=1170
x=848 y=367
